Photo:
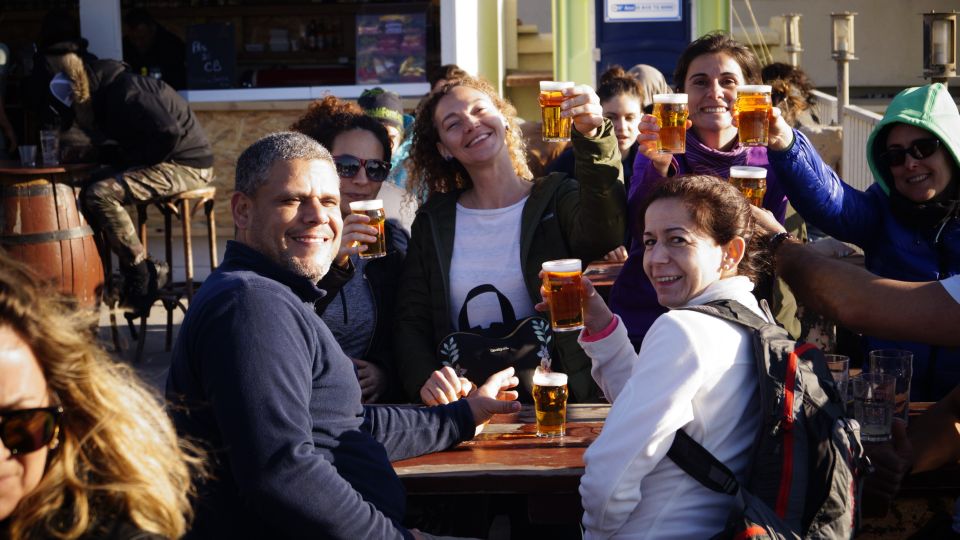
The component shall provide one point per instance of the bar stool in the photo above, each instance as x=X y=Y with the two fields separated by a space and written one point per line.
x=183 y=206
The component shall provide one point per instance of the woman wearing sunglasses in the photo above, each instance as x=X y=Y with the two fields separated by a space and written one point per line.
x=488 y=221
x=86 y=451
x=359 y=307
x=907 y=222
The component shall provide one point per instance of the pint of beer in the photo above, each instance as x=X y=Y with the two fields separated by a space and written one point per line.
x=753 y=105
x=555 y=128
x=671 y=112
x=751 y=181
x=561 y=279
x=374 y=209
x=550 y=401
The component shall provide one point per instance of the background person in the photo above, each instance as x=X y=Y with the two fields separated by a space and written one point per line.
x=159 y=149
x=86 y=451
x=651 y=82
x=694 y=372
x=487 y=221
x=387 y=108
x=907 y=222
x=709 y=72
x=361 y=301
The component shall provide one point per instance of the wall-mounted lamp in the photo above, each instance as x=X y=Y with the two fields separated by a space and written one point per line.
x=939 y=46
x=791 y=41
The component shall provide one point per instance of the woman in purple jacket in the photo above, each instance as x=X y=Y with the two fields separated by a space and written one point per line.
x=709 y=72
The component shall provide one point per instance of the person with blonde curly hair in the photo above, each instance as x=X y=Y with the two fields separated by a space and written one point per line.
x=487 y=222
x=86 y=451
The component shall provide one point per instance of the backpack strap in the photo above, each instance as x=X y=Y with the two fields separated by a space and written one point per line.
x=506 y=309
x=699 y=463
x=731 y=311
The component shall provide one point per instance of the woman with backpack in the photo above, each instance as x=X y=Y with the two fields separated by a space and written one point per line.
x=695 y=372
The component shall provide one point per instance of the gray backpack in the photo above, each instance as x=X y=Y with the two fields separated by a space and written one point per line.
x=804 y=477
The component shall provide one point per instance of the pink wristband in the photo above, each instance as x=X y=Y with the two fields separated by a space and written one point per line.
x=590 y=338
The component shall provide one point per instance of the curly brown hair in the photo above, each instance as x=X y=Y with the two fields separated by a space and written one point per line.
x=118 y=456
x=720 y=211
x=328 y=117
x=428 y=172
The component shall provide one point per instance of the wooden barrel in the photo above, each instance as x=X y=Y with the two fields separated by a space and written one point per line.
x=41 y=225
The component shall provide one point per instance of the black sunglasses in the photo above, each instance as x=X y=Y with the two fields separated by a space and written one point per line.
x=348 y=166
x=919 y=149
x=28 y=430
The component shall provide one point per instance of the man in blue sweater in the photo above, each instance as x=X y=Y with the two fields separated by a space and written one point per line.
x=261 y=382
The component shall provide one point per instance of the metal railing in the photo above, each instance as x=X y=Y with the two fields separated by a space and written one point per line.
x=826 y=107
x=858 y=123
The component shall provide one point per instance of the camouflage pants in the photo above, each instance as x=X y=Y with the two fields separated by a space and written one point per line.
x=103 y=201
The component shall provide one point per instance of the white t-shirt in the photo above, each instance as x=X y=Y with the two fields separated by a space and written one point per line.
x=952 y=285
x=486 y=249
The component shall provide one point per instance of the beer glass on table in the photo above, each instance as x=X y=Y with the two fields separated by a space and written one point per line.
x=372 y=208
x=671 y=112
x=550 y=402
x=753 y=106
x=561 y=280
x=751 y=181
x=555 y=127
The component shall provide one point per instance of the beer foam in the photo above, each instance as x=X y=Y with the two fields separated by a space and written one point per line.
x=754 y=89
x=549 y=378
x=673 y=99
x=363 y=206
x=562 y=265
x=555 y=86
x=739 y=171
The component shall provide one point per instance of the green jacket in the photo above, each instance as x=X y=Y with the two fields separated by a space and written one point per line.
x=562 y=218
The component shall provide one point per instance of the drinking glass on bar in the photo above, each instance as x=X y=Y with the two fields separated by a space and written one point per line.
x=555 y=127
x=28 y=155
x=372 y=208
x=561 y=279
x=899 y=364
x=550 y=402
x=873 y=405
x=753 y=105
x=751 y=181
x=50 y=147
x=671 y=112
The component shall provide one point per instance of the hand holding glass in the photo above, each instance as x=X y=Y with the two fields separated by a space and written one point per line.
x=561 y=280
x=671 y=112
x=555 y=127
x=753 y=107
x=373 y=209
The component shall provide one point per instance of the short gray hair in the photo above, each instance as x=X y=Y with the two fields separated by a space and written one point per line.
x=254 y=163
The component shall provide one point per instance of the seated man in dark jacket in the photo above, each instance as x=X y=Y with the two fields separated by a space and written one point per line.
x=260 y=379
x=159 y=149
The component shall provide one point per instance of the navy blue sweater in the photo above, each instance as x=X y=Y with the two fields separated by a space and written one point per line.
x=261 y=382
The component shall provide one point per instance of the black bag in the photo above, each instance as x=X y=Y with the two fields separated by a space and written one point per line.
x=807 y=463
x=478 y=353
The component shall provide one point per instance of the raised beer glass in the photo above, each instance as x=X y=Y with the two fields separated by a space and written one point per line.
x=561 y=279
x=555 y=127
x=372 y=208
x=671 y=112
x=753 y=105
x=550 y=402
x=751 y=181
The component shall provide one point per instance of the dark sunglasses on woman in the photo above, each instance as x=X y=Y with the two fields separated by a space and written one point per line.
x=28 y=430
x=348 y=166
x=919 y=149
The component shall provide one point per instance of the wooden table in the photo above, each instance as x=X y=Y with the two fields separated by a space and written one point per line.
x=508 y=457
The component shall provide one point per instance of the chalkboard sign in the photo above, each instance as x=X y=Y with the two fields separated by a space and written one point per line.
x=211 y=56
